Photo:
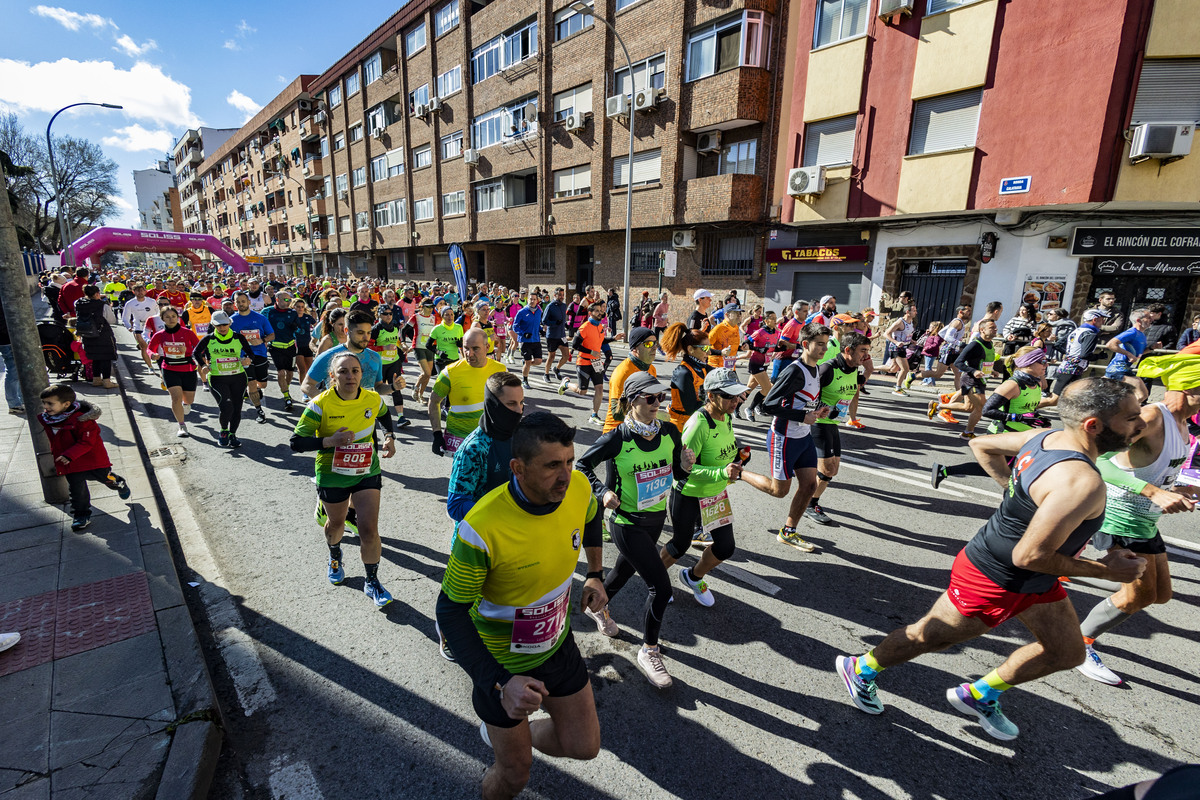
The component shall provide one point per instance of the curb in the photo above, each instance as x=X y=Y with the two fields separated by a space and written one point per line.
x=197 y=739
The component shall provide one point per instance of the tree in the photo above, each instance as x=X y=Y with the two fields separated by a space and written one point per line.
x=87 y=177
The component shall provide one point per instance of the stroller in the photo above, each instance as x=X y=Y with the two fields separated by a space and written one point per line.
x=56 y=341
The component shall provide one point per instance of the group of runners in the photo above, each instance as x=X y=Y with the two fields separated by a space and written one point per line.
x=523 y=504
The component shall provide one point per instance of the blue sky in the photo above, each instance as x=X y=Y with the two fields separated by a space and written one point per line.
x=171 y=65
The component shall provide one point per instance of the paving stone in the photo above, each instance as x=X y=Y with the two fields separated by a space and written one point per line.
x=25 y=734
x=101 y=613
x=125 y=679
x=34 y=618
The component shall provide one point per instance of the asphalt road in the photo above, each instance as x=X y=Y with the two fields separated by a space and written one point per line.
x=326 y=697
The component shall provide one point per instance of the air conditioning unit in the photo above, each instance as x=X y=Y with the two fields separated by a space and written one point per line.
x=303 y=131
x=435 y=104
x=683 y=240
x=888 y=8
x=319 y=117
x=708 y=142
x=1161 y=140
x=418 y=110
x=397 y=110
x=471 y=156
x=305 y=105
x=343 y=196
x=645 y=99
x=806 y=180
x=575 y=122
x=617 y=106
x=377 y=133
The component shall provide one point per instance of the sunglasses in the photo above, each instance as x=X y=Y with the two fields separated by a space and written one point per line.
x=651 y=399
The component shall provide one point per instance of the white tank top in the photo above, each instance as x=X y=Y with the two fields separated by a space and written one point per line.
x=951 y=335
x=1131 y=509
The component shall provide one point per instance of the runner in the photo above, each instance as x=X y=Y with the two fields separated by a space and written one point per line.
x=385 y=340
x=838 y=380
x=898 y=335
x=698 y=320
x=1127 y=348
x=554 y=317
x=645 y=456
x=527 y=324
x=690 y=346
x=223 y=356
x=499 y=320
x=175 y=344
x=422 y=325
x=1053 y=503
x=446 y=339
x=789 y=339
x=975 y=362
x=952 y=334
x=1079 y=349
x=258 y=333
x=506 y=618
x=198 y=315
x=134 y=314
x=588 y=345
x=642 y=346
x=284 y=321
x=725 y=339
x=462 y=384
x=304 y=325
x=762 y=344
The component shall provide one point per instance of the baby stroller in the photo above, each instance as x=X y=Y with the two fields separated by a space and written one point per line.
x=56 y=341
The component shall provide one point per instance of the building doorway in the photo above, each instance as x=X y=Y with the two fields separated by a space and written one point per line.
x=936 y=286
x=480 y=267
x=1139 y=291
x=584 y=267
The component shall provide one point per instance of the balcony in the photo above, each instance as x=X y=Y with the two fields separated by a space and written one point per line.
x=740 y=95
x=193 y=155
x=308 y=130
x=316 y=207
x=722 y=198
x=312 y=168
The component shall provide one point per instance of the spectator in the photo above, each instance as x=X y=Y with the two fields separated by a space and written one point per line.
x=1061 y=328
x=1018 y=331
x=72 y=291
x=1190 y=335
x=94 y=327
x=1161 y=332
x=1107 y=301
x=613 y=308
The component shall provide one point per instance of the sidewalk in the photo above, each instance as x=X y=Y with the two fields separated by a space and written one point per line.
x=107 y=694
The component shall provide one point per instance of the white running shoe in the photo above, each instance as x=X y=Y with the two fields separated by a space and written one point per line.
x=604 y=623
x=1094 y=668
x=7 y=640
x=699 y=588
x=649 y=661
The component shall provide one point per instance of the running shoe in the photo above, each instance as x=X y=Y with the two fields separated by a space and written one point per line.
x=863 y=391
x=937 y=474
x=234 y=441
x=946 y=416
x=604 y=623
x=944 y=398
x=856 y=424
x=793 y=539
x=336 y=573
x=262 y=416
x=928 y=382
x=594 y=419
x=562 y=385
x=374 y=590
x=908 y=380
x=750 y=417
x=443 y=645
x=182 y=433
x=699 y=588
x=7 y=640
x=525 y=383
x=862 y=692
x=1094 y=668
x=967 y=435
x=81 y=521
x=223 y=439
x=933 y=408
x=990 y=716
x=701 y=539
x=546 y=377
x=558 y=374
x=649 y=661
x=818 y=515
x=287 y=402
x=899 y=392
x=123 y=490
x=319 y=514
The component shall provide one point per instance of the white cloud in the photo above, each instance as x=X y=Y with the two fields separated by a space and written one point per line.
x=72 y=20
x=243 y=104
x=135 y=138
x=281 y=79
x=131 y=48
x=144 y=90
x=230 y=44
x=122 y=203
x=245 y=30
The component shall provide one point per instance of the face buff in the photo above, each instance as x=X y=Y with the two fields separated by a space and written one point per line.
x=498 y=420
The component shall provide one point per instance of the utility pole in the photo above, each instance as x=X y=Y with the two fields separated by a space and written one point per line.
x=27 y=347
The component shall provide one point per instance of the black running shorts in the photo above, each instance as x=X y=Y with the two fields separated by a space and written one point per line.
x=564 y=674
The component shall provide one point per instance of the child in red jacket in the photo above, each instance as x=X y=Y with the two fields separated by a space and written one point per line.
x=79 y=453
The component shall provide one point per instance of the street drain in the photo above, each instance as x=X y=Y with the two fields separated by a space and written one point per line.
x=172 y=452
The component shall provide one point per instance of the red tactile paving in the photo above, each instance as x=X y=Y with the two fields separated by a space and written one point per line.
x=100 y=613
x=58 y=624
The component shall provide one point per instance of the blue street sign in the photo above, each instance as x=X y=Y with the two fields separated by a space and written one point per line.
x=1015 y=185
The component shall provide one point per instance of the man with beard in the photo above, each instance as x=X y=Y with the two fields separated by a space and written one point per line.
x=1053 y=503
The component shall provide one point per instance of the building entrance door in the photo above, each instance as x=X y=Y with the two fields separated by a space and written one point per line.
x=584 y=271
x=1139 y=291
x=936 y=286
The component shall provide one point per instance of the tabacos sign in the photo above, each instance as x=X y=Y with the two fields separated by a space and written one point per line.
x=856 y=252
x=1146 y=266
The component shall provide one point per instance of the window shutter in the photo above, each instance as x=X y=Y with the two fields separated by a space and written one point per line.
x=947 y=122
x=1168 y=91
x=647 y=167
x=563 y=181
x=395 y=158
x=829 y=142
x=583 y=98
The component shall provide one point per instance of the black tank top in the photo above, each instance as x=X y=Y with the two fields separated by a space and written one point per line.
x=991 y=548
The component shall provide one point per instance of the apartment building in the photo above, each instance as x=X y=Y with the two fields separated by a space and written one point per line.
x=153 y=188
x=978 y=150
x=504 y=127
x=189 y=152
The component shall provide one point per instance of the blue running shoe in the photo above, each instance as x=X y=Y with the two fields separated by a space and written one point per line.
x=336 y=573
x=861 y=692
x=990 y=716
x=374 y=590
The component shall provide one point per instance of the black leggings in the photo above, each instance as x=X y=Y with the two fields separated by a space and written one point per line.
x=1061 y=381
x=685 y=517
x=229 y=390
x=102 y=368
x=638 y=552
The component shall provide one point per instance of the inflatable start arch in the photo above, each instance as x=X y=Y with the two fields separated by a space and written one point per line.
x=103 y=240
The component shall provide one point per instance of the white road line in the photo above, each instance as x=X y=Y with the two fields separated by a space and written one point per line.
x=1192 y=554
x=295 y=782
x=742 y=575
x=894 y=474
x=1184 y=544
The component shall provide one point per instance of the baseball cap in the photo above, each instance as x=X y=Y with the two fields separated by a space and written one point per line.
x=639 y=335
x=733 y=308
x=725 y=381
x=221 y=318
x=641 y=383
x=700 y=294
x=1095 y=313
x=827 y=298
x=842 y=319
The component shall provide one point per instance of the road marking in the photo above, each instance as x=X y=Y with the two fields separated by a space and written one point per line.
x=894 y=474
x=1184 y=544
x=295 y=782
x=749 y=577
x=1185 y=553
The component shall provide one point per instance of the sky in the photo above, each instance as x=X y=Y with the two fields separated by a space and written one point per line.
x=172 y=66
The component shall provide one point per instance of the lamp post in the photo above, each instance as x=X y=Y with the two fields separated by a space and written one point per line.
x=584 y=8
x=58 y=200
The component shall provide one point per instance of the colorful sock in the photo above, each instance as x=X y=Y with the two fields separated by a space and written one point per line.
x=866 y=667
x=989 y=687
x=335 y=552
x=372 y=571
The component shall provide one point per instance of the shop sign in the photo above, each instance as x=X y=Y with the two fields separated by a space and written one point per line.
x=854 y=252
x=1044 y=291
x=1134 y=242
x=1146 y=266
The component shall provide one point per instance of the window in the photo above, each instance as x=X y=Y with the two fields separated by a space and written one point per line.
x=362 y=220
x=655 y=68
x=352 y=84
x=377 y=118
x=418 y=97
x=417 y=263
x=489 y=196
x=423 y=209
x=324 y=146
x=647 y=166
x=624 y=4
x=356 y=132
x=714 y=48
x=539 y=258
x=422 y=157
x=947 y=122
x=738 y=158
x=414 y=40
x=572 y=100
x=395 y=162
x=360 y=176
x=454 y=203
x=335 y=96
x=339 y=141
x=503 y=51
x=441 y=262
x=568 y=21
x=841 y=19
x=944 y=5
x=342 y=184
x=449 y=81
x=344 y=224
x=728 y=256
x=373 y=68
x=520 y=44
x=329 y=225
x=378 y=169
x=382 y=215
x=829 y=142
x=328 y=184
x=756 y=43
x=445 y=19
x=573 y=181
x=514 y=121
x=452 y=145
x=1168 y=91
x=485 y=60
x=643 y=256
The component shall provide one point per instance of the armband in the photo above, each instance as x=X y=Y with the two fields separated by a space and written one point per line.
x=598 y=574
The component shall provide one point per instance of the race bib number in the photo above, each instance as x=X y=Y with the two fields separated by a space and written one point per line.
x=453 y=443
x=353 y=459
x=1190 y=474
x=653 y=485
x=389 y=354
x=730 y=363
x=175 y=349
x=843 y=409
x=536 y=629
x=986 y=368
x=715 y=512
x=253 y=336
x=202 y=328
x=227 y=366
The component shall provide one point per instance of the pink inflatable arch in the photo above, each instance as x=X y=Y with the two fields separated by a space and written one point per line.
x=102 y=240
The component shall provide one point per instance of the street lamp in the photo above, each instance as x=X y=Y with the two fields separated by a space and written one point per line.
x=58 y=200
x=584 y=8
